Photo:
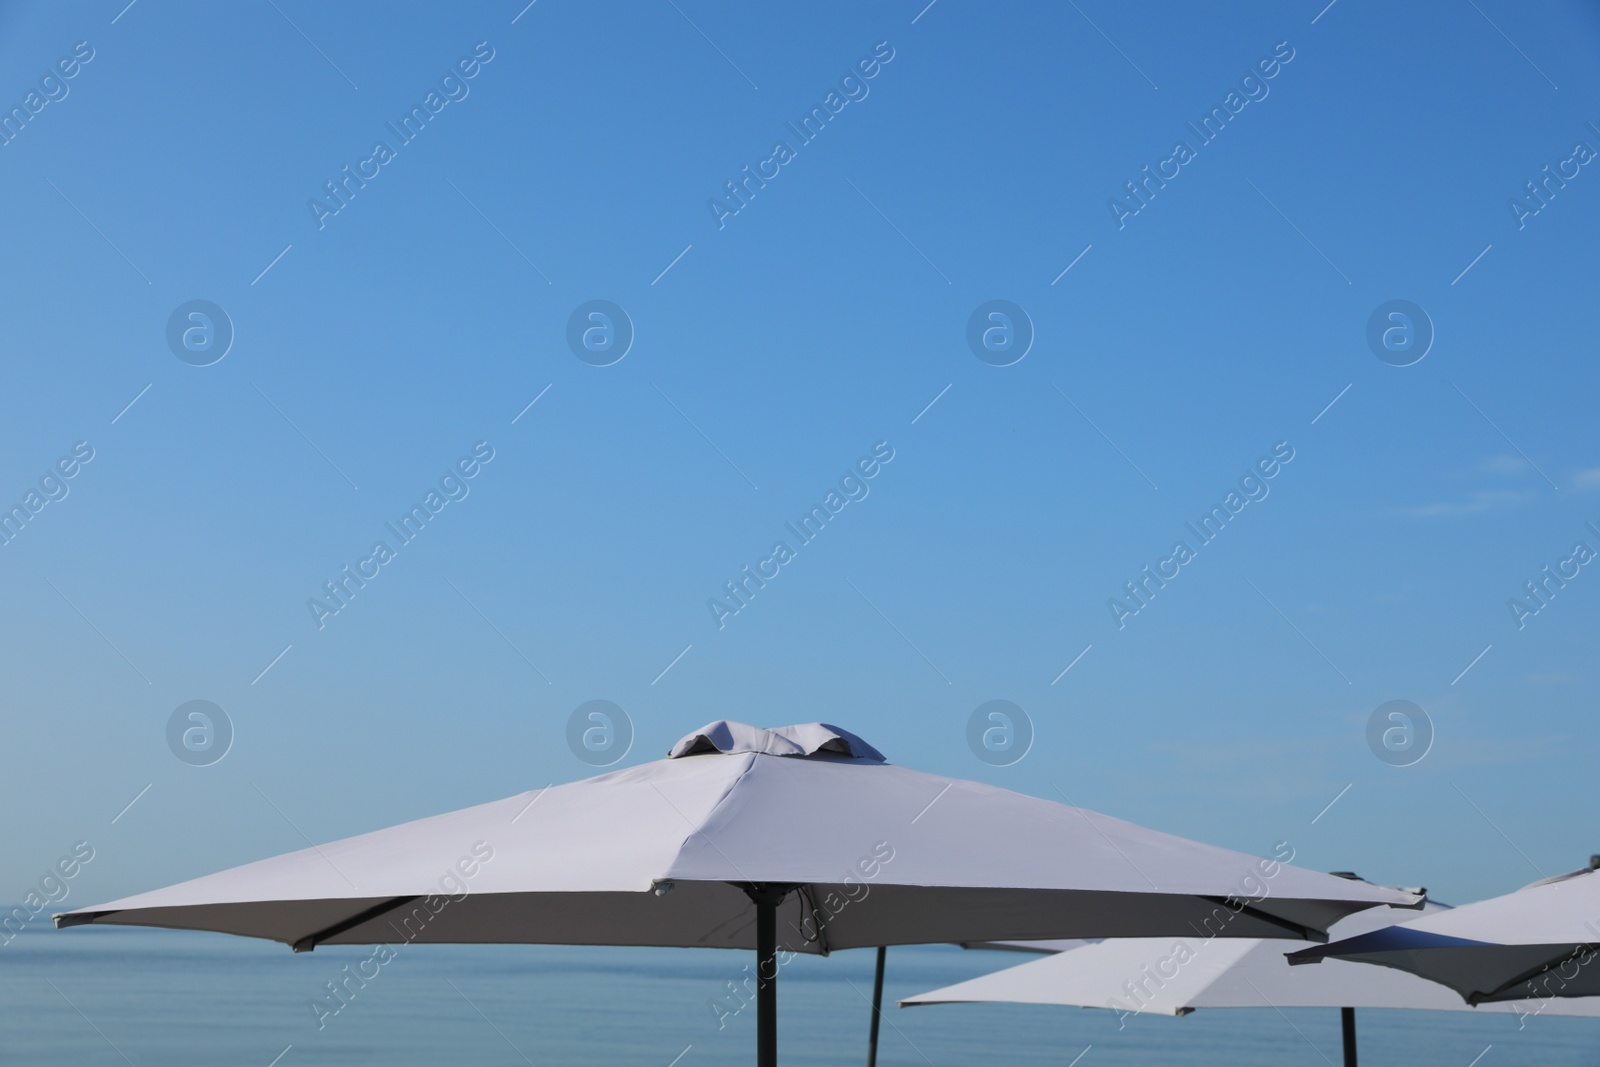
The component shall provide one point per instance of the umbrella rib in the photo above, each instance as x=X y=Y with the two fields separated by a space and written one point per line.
x=1300 y=932
x=82 y=918
x=311 y=941
x=1529 y=975
x=1103 y=837
x=1286 y=1019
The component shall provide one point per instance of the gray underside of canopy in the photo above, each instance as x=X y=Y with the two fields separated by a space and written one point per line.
x=815 y=918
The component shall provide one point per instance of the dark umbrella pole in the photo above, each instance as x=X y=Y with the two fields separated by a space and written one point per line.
x=877 y=1010
x=766 y=898
x=766 y=984
x=1347 y=1022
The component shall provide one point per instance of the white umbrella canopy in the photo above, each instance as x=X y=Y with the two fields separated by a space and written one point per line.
x=1533 y=944
x=653 y=855
x=1154 y=974
x=742 y=831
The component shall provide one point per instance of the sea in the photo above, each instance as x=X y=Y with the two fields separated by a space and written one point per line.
x=123 y=997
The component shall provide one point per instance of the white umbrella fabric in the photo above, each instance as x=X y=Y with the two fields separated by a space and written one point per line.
x=1535 y=943
x=738 y=830
x=1176 y=976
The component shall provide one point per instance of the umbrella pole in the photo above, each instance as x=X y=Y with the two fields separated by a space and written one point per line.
x=877 y=1010
x=766 y=983
x=1347 y=1023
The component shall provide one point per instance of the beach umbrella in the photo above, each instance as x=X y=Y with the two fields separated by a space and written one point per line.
x=1534 y=944
x=794 y=840
x=1176 y=976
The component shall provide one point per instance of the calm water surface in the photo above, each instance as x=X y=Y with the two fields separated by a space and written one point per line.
x=185 y=999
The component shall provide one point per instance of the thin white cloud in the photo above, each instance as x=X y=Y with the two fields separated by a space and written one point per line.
x=1484 y=500
x=1503 y=466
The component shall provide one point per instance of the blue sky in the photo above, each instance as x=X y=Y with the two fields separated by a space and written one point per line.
x=772 y=352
